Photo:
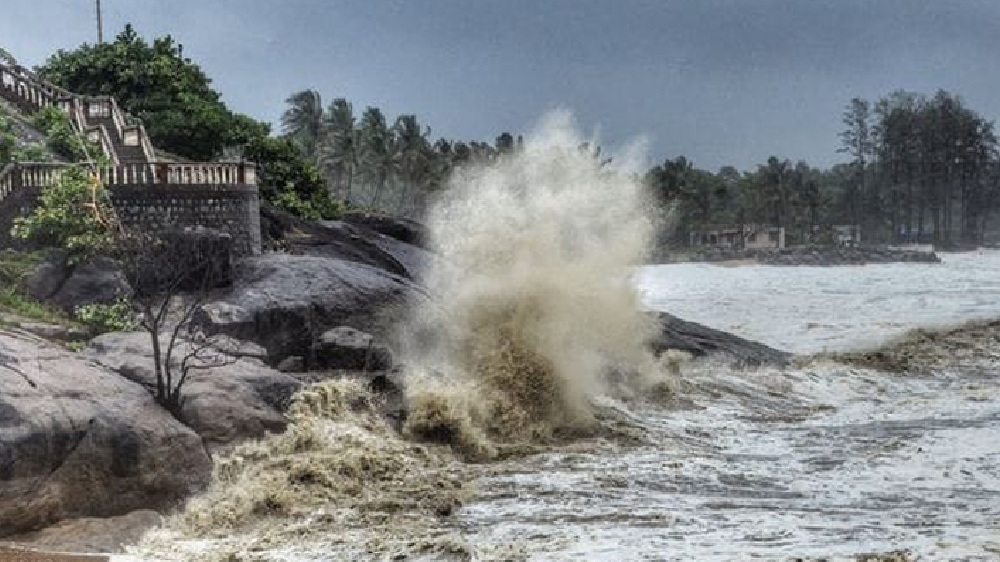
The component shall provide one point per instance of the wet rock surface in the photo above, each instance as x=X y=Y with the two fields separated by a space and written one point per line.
x=698 y=340
x=91 y=534
x=346 y=348
x=392 y=245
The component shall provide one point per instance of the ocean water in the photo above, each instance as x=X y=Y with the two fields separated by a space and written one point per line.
x=811 y=309
x=820 y=460
x=816 y=461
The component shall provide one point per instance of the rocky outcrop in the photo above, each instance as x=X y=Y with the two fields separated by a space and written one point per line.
x=698 y=340
x=285 y=302
x=69 y=286
x=232 y=399
x=405 y=230
x=818 y=255
x=78 y=440
x=348 y=349
x=331 y=239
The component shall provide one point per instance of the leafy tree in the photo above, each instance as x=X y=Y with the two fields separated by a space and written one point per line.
x=62 y=139
x=288 y=181
x=75 y=214
x=412 y=156
x=155 y=82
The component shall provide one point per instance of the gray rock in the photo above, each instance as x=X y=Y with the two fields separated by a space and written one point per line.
x=77 y=440
x=47 y=277
x=346 y=348
x=69 y=287
x=53 y=331
x=231 y=400
x=92 y=534
x=698 y=340
x=405 y=230
x=284 y=302
x=292 y=364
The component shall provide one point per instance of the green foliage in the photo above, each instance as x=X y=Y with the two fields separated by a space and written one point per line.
x=288 y=181
x=11 y=151
x=320 y=207
x=71 y=214
x=112 y=317
x=60 y=136
x=155 y=82
x=14 y=301
x=15 y=268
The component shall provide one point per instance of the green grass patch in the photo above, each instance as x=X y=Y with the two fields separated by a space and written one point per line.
x=15 y=268
x=14 y=302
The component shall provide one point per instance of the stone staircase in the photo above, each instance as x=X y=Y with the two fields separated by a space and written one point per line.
x=122 y=138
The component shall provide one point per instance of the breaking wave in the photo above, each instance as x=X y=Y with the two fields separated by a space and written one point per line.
x=534 y=315
x=535 y=312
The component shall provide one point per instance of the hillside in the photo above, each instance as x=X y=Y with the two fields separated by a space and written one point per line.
x=25 y=134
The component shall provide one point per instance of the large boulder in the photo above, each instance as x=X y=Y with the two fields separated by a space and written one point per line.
x=331 y=239
x=77 y=440
x=233 y=398
x=699 y=340
x=285 y=302
x=348 y=349
x=399 y=228
x=69 y=286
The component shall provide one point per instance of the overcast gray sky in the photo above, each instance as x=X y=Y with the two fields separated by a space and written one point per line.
x=720 y=81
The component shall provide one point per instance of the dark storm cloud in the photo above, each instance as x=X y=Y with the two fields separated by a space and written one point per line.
x=722 y=81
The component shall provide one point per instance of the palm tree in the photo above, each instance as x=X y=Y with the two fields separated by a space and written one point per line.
x=375 y=144
x=303 y=122
x=339 y=151
x=412 y=155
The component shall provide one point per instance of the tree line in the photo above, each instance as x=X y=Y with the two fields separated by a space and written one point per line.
x=921 y=169
x=368 y=162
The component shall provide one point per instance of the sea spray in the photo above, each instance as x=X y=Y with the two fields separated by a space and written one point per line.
x=339 y=478
x=533 y=305
x=532 y=313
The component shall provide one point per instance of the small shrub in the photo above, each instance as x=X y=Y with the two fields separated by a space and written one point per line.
x=114 y=317
x=61 y=138
x=73 y=214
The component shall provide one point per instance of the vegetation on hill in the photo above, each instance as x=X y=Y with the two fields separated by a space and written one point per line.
x=184 y=115
x=155 y=82
x=13 y=149
x=922 y=169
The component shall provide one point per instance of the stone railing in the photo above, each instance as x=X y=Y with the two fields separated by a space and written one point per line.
x=31 y=93
x=211 y=174
x=155 y=197
x=46 y=174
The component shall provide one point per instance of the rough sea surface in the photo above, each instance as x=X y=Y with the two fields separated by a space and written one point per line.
x=812 y=309
x=816 y=461
x=820 y=460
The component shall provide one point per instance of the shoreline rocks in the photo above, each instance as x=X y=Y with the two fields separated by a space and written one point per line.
x=823 y=256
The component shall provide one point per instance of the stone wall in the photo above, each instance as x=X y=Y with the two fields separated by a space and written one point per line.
x=230 y=208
